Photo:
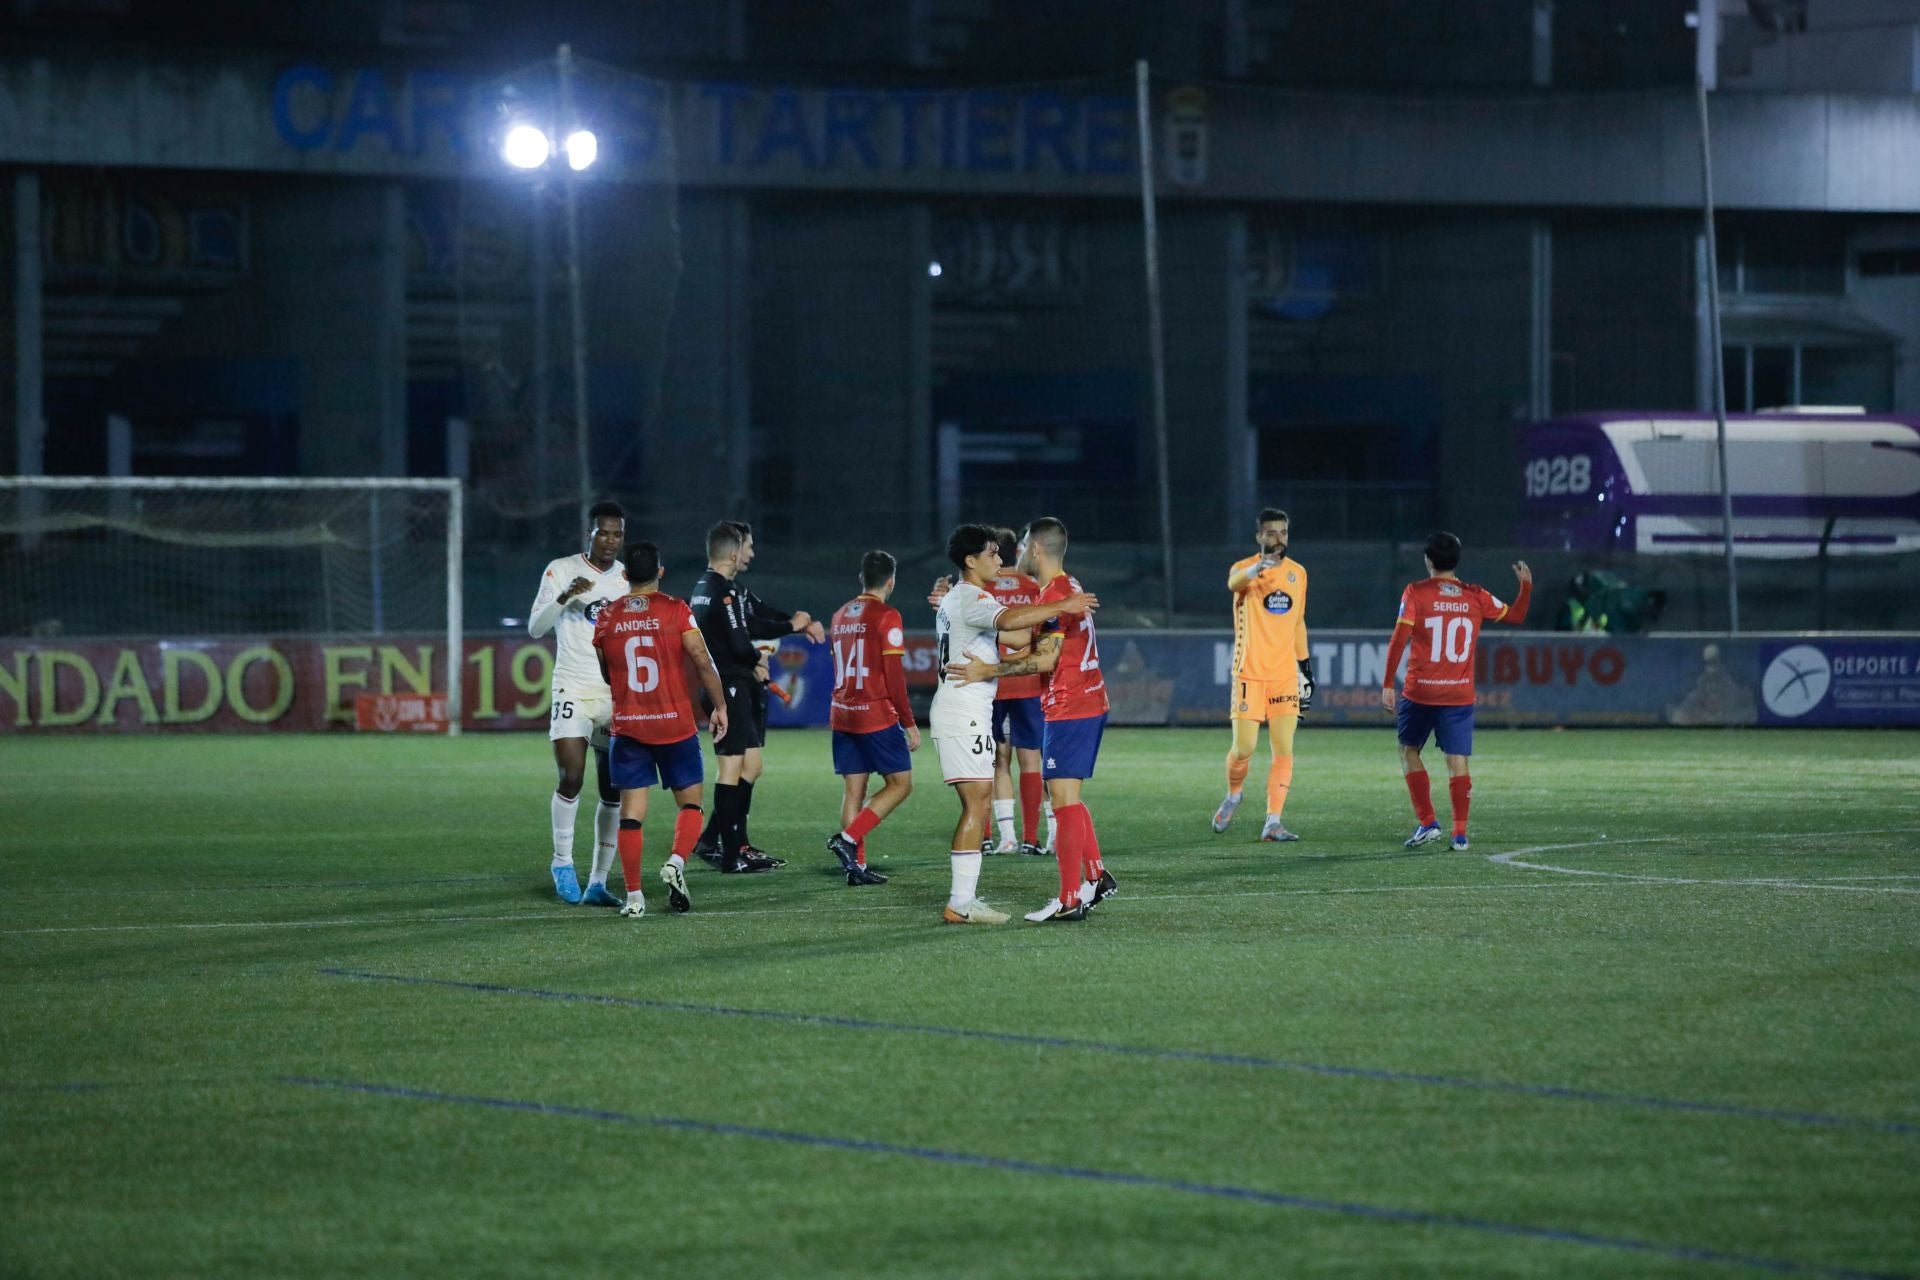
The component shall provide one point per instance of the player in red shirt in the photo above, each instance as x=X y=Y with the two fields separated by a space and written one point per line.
x=873 y=728
x=1018 y=725
x=1439 y=628
x=645 y=641
x=1067 y=652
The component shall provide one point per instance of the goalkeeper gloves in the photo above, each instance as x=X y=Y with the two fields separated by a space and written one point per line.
x=1306 y=683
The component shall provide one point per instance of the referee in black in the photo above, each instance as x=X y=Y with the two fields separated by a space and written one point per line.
x=731 y=618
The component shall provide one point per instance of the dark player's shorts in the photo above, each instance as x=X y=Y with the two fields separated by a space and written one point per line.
x=1018 y=720
x=1071 y=746
x=746 y=716
x=637 y=765
x=1451 y=727
x=884 y=751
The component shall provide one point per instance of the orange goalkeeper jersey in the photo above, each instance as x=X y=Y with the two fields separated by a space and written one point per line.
x=1270 y=622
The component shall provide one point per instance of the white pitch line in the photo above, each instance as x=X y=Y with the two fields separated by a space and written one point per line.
x=1864 y=877
x=1515 y=858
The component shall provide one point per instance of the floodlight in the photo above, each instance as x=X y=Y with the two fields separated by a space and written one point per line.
x=526 y=147
x=582 y=148
x=933 y=269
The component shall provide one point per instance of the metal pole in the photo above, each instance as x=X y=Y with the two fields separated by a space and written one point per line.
x=456 y=601
x=542 y=345
x=1719 y=359
x=375 y=585
x=1156 y=346
x=28 y=354
x=568 y=123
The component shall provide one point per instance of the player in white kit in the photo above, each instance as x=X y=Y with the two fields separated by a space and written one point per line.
x=572 y=590
x=970 y=623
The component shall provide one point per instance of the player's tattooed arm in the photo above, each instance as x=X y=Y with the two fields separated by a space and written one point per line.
x=1039 y=662
x=1046 y=653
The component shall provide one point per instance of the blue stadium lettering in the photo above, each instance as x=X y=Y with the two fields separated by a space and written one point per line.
x=369 y=110
x=980 y=131
x=904 y=130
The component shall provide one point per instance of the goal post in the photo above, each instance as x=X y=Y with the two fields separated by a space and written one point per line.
x=122 y=556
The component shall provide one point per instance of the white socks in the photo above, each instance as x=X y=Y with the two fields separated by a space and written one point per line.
x=606 y=837
x=563 y=810
x=1003 y=818
x=966 y=878
x=1053 y=825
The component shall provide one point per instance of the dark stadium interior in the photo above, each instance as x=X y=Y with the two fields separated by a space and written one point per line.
x=858 y=270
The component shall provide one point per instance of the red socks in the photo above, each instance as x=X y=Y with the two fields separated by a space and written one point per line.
x=1071 y=846
x=629 y=845
x=863 y=823
x=1078 y=849
x=1461 y=789
x=686 y=831
x=1420 y=787
x=1032 y=792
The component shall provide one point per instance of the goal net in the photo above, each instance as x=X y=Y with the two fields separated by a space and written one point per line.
x=85 y=557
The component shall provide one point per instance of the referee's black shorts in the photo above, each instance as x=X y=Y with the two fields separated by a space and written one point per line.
x=746 y=715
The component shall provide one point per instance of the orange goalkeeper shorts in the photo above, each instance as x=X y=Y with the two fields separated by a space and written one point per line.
x=1264 y=700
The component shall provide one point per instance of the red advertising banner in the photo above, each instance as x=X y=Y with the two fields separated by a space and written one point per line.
x=257 y=683
x=1528 y=678
x=400 y=713
x=919 y=661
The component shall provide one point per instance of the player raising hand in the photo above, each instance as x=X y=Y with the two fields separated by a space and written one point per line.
x=1272 y=668
x=1439 y=629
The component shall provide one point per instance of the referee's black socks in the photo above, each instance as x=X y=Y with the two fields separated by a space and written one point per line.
x=712 y=833
x=723 y=827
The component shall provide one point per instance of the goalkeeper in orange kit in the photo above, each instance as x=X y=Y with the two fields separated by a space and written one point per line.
x=1272 y=669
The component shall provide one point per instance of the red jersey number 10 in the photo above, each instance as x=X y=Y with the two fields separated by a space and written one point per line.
x=1452 y=639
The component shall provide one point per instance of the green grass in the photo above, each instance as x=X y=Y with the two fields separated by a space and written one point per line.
x=168 y=907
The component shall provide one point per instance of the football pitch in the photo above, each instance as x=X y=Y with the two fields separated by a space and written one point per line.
x=307 y=1007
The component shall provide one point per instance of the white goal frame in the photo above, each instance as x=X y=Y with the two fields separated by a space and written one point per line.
x=456 y=534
